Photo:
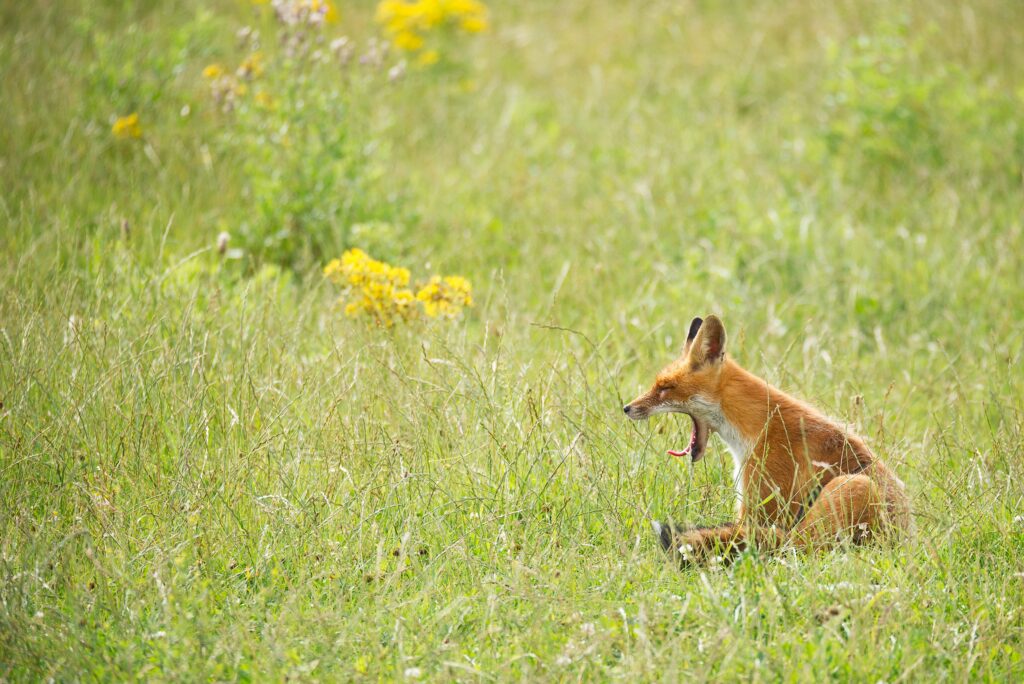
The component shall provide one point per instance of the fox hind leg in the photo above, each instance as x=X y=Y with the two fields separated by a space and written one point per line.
x=849 y=507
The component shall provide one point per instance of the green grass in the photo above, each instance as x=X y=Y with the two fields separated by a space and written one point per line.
x=208 y=472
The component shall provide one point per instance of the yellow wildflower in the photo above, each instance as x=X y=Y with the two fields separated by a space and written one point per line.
x=445 y=296
x=471 y=14
x=252 y=66
x=381 y=291
x=431 y=13
x=464 y=7
x=333 y=15
x=474 y=24
x=409 y=41
x=375 y=287
x=406 y=21
x=127 y=126
x=263 y=99
x=428 y=57
x=327 y=7
x=395 y=15
x=213 y=71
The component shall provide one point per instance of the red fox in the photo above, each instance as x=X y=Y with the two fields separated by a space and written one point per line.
x=801 y=479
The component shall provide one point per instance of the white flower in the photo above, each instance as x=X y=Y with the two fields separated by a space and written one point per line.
x=343 y=50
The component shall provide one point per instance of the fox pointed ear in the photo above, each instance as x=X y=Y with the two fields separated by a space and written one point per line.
x=708 y=347
x=694 y=327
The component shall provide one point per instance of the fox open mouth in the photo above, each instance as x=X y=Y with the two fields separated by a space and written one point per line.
x=698 y=441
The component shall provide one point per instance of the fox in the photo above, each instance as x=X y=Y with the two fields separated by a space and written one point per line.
x=802 y=479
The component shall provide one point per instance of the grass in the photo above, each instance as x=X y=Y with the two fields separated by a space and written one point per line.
x=209 y=472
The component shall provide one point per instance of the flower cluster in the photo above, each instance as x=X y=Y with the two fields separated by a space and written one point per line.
x=227 y=88
x=310 y=12
x=445 y=297
x=303 y=35
x=381 y=291
x=375 y=288
x=284 y=77
x=127 y=127
x=408 y=22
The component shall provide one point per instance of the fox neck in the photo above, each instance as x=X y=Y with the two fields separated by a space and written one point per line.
x=740 y=413
x=714 y=415
x=745 y=401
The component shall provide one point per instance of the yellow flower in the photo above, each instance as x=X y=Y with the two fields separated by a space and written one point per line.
x=375 y=287
x=213 y=71
x=330 y=11
x=252 y=66
x=428 y=57
x=380 y=290
x=409 y=41
x=445 y=296
x=263 y=99
x=333 y=266
x=464 y=7
x=395 y=14
x=406 y=21
x=471 y=14
x=127 y=126
x=474 y=24
x=430 y=13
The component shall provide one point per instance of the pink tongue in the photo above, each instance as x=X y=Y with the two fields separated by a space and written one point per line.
x=686 y=451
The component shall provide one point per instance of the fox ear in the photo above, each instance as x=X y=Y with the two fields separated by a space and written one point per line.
x=708 y=347
x=694 y=327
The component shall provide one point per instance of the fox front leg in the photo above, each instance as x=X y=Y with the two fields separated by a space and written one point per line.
x=701 y=545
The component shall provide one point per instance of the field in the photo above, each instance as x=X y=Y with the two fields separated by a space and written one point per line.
x=217 y=463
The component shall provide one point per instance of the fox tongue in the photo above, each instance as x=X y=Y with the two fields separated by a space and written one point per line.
x=686 y=451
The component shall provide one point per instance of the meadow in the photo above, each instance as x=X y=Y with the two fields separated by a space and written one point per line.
x=219 y=462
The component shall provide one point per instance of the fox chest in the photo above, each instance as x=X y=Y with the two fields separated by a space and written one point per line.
x=739 y=446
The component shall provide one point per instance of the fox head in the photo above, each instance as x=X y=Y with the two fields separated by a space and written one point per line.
x=689 y=385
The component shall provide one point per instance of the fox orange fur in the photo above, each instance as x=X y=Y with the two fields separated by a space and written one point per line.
x=802 y=479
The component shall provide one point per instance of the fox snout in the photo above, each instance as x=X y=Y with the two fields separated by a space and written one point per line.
x=636 y=411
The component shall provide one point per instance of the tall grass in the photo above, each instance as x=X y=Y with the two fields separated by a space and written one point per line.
x=209 y=472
